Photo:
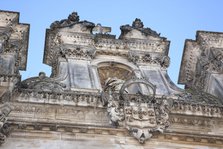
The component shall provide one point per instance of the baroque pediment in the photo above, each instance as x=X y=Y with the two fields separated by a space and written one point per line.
x=73 y=24
x=137 y=31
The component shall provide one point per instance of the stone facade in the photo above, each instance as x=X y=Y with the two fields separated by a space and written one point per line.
x=109 y=91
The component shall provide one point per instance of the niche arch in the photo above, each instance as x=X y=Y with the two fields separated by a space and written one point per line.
x=114 y=67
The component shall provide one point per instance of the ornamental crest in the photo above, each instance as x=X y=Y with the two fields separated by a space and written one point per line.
x=136 y=108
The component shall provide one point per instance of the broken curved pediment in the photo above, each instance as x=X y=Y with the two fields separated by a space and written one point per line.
x=42 y=83
x=137 y=30
x=73 y=24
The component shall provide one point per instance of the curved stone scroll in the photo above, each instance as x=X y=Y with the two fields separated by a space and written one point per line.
x=43 y=83
x=72 y=19
x=138 y=26
x=141 y=114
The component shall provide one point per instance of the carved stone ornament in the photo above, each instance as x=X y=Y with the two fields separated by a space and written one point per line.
x=138 y=25
x=4 y=128
x=147 y=58
x=140 y=113
x=72 y=19
x=43 y=83
x=77 y=52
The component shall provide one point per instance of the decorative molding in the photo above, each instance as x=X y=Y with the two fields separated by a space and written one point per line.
x=56 y=41
x=166 y=136
x=132 y=44
x=77 y=52
x=74 y=98
x=197 y=109
x=185 y=120
x=9 y=78
x=148 y=58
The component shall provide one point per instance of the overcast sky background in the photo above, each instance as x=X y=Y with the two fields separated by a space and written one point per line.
x=175 y=19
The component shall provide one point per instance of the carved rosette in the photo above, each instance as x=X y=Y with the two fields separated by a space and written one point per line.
x=141 y=114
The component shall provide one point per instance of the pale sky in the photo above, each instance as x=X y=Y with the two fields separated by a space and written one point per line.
x=176 y=20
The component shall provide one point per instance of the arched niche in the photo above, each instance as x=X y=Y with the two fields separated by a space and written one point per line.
x=113 y=70
x=110 y=67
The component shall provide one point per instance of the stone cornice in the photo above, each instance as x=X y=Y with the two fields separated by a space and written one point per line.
x=196 y=109
x=65 y=98
x=35 y=131
x=87 y=99
x=54 y=40
x=32 y=116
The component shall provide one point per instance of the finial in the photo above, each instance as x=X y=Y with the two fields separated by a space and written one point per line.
x=74 y=17
x=137 y=23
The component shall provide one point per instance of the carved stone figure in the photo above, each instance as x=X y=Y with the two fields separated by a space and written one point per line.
x=114 y=110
